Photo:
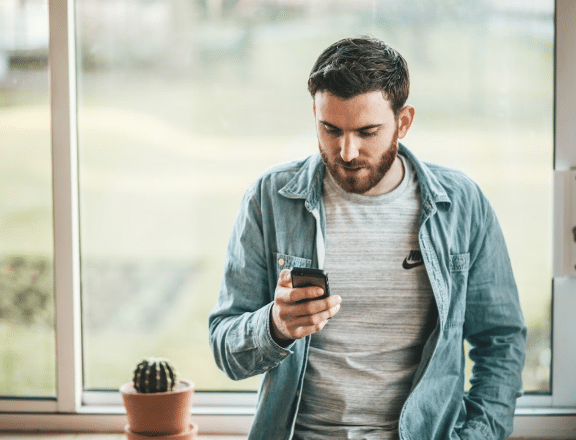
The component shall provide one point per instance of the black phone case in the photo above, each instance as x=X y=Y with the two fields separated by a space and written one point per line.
x=304 y=277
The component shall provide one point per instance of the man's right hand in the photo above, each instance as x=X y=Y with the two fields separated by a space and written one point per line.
x=292 y=319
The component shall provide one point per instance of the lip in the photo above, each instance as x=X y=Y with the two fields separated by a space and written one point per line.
x=351 y=168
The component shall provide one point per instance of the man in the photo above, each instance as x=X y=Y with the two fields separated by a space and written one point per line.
x=417 y=263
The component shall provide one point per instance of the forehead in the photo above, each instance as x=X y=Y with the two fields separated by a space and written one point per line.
x=361 y=110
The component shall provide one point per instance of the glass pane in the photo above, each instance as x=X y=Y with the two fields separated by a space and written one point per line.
x=27 y=337
x=182 y=104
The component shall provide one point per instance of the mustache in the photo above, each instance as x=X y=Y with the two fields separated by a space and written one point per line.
x=352 y=164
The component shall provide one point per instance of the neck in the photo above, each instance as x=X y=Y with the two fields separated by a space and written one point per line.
x=391 y=180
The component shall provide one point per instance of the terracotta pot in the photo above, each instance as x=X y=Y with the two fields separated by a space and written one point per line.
x=157 y=414
x=189 y=434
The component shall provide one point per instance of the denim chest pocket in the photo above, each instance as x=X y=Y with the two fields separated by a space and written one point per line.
x=459 y=265
x=284 y=261
x=459 y=262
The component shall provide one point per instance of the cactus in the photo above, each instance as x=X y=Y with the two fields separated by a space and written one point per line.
x=154 y=375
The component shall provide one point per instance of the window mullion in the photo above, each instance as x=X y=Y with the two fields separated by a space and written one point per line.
x=564 y=304
x=565 y=93
x=564 y=331
x=65 y=194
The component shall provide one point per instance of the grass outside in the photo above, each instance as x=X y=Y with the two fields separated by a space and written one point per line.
x=164 y=162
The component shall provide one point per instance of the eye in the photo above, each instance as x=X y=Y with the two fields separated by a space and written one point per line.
x=332 y=131
x=368 y=133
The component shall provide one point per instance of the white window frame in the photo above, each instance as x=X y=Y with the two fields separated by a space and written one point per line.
x=544 y=416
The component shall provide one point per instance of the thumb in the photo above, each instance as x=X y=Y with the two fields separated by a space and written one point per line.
x=285 y=279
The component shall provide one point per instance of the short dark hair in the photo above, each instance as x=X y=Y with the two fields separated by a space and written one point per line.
x=353 y=66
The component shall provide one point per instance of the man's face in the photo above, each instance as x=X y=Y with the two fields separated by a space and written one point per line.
x=358 y=139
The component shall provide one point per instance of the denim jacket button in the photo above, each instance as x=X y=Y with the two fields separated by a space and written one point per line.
x=281 y=262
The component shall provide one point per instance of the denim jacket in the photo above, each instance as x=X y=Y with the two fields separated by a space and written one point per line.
x=281 y=224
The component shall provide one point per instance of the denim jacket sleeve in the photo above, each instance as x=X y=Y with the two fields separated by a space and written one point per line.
x=495 y=328
x=239 y=323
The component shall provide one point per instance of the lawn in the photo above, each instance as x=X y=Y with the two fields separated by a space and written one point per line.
x=166 y=156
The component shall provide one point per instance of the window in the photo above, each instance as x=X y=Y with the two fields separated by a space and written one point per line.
x=179 y=105
x=27 y=337
x=173 y=128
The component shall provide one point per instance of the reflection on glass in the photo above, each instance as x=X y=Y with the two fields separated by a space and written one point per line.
x=27 y=337
x=183 y=103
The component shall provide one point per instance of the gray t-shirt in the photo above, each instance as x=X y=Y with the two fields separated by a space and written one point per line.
x=362 y=364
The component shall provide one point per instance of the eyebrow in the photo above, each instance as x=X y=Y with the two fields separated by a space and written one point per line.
x=366 y=127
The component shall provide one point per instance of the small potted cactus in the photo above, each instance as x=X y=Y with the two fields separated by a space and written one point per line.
x=157 y=403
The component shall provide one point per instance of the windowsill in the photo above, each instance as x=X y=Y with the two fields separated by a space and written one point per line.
x=94 y=436
x=109 y=436
x=544 y=412
x=543 y=423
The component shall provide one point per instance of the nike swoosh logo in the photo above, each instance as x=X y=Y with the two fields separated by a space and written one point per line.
x=407 y=265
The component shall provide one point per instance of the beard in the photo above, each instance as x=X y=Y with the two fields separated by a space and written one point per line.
x=361 y=184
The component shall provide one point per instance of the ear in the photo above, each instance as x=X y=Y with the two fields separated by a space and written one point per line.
x=405 y=119
x=314 y=107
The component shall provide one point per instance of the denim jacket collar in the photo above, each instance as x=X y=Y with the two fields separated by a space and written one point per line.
x=307 y=184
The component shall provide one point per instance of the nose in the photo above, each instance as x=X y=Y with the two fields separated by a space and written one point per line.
x=348 y=149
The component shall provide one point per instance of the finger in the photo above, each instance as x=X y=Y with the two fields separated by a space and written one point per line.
x=285 y=279
x=301 y=326
x=316 y=324
x=285 y=293
x=305 y=294
x=284 y=287
x=314 y=306
x=307 y=320
x=333 y=310
x=301 y=332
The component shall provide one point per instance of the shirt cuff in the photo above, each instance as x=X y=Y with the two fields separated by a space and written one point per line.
x=265 y=340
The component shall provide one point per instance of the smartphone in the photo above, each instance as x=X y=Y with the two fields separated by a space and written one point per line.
x=304 y=277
